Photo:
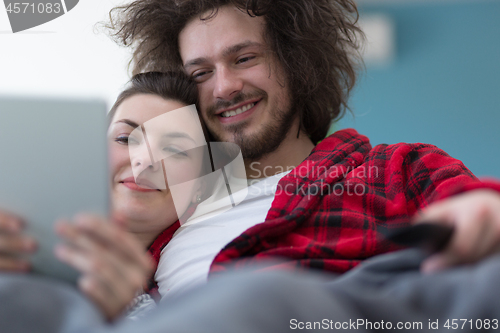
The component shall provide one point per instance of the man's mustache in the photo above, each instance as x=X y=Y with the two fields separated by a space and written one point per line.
x=240 y=97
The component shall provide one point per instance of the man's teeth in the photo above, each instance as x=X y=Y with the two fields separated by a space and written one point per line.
x=237 y=111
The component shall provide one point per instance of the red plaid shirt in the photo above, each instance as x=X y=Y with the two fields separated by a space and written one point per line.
x=330 y=212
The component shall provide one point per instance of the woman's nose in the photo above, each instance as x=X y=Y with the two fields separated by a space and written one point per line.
x=142 y=162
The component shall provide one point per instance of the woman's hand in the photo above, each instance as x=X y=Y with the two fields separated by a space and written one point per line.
x=114 y=265
x=13 y=244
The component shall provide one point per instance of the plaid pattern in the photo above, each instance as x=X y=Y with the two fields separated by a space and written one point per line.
x=155 y=251
x=330 y=212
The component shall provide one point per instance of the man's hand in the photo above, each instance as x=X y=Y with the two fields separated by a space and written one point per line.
x=475 y=216
x=114 y=265
x=13 y=244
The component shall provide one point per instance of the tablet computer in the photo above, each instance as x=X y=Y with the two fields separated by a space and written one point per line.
x=53 y=164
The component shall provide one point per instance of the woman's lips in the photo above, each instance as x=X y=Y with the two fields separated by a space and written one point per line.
x=142 y=186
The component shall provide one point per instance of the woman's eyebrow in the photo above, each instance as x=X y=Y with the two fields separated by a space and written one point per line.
x=176 y=135
x=128 y=122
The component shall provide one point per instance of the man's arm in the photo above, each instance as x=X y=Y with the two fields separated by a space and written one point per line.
x=475 y=216
x=441 y=189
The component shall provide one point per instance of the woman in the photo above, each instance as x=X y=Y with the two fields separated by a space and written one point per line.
x=113 y=263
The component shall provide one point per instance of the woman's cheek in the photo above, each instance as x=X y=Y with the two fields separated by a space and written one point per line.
x=118 y=158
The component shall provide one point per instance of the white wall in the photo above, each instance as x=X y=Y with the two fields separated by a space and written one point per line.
x=64 y=57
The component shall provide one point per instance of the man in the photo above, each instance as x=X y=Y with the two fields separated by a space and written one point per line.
x=272 y=75
x=252 y=92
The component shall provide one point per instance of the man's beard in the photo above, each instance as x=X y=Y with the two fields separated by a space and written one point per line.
x=263 y=142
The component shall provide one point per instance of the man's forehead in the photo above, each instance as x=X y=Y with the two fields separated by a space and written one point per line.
x=230 y=28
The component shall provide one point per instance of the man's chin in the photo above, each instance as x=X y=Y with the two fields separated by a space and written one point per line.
x=254 y=140
x=224 y=135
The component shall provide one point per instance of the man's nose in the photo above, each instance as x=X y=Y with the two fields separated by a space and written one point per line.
x=227 y=83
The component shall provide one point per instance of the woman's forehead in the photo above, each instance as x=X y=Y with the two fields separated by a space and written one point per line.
x=141 y=108
x=161 y=117
x=179 y=123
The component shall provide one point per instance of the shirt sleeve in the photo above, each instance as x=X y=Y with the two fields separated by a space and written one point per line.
x=428 y=174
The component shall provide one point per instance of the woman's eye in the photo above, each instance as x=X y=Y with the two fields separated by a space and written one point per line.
x=122 y=140
x=175 y=151
x=126 y=140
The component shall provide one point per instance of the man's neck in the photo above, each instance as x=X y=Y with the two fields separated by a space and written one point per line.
x=290 y=153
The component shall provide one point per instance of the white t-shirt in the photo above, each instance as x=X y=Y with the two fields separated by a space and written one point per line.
x=185 y=261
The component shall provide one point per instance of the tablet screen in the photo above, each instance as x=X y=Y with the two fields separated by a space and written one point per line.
x=53 y=164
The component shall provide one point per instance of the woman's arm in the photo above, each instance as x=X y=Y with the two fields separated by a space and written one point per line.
x=114 y=265
x=13 y=244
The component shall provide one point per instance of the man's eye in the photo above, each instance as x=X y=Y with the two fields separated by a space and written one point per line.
x=245 y=59
x=199 y=75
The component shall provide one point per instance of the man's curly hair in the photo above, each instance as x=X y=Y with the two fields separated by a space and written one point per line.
x=314 y=40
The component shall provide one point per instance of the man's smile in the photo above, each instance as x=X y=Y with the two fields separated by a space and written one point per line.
x=239 y=108
x=238 y=112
